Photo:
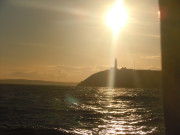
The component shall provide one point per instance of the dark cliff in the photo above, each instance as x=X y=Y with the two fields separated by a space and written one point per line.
x=126 y=78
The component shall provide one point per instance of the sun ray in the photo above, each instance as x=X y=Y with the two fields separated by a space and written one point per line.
x=116 y=18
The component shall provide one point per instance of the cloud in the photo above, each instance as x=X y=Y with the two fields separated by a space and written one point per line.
x=146 y=35
x=61 y=73
x=23 y=74
x=152 y=57
x=76 y=72
x=56 y=6
x=152 y=68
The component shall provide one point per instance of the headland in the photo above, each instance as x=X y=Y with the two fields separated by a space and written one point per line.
x=127 y=78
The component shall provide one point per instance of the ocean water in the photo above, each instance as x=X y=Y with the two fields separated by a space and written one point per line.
x=80 y=110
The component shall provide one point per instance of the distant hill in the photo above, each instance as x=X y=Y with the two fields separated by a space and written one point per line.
x=127 y=78
x=36 y=82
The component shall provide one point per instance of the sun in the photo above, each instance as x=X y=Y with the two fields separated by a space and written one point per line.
x=117 y=16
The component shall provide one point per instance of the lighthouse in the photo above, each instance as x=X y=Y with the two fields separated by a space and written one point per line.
x=115 y=64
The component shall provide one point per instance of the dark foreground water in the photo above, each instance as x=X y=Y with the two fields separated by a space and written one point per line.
x=28 y=109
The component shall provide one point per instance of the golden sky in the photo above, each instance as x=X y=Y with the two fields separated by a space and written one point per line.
x=68 y=40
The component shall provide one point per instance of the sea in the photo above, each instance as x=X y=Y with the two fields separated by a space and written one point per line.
x=65 y=110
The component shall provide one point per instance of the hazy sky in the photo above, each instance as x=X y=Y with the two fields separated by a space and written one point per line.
x=68 y=40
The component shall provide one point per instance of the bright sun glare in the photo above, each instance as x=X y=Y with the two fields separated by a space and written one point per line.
x=117 y=16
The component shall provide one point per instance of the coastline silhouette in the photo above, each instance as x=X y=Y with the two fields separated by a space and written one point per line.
x=127 y=78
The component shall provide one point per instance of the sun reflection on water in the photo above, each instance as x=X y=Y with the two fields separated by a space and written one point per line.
x=115 y=111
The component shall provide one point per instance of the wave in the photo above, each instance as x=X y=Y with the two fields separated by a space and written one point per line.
x=34 y=131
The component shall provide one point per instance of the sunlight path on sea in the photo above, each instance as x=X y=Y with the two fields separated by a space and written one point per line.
x=119 y=111
x=82 y=110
